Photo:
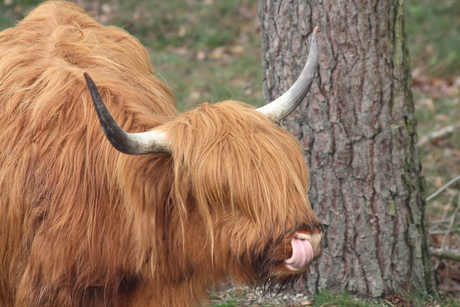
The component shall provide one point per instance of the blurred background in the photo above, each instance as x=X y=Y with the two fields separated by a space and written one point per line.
x=209 y=50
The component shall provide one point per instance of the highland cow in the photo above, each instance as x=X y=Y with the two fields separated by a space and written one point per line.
x=150 y=217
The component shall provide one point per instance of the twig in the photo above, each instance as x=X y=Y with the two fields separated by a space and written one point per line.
x=445 y=254
x=442 y=188
x=329 y=303
x=441 y=232
x=435 y=135
x=441 y=221
x=450 y=202
x=451 y=226
x=389 y=303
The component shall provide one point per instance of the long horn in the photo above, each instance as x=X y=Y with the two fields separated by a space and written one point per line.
x=128 y=143
x=286 y=104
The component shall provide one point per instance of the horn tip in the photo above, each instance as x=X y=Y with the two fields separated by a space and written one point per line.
x=87 y=77
x=315 y=31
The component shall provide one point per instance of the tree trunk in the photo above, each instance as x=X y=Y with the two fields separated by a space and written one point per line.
x=359 y=133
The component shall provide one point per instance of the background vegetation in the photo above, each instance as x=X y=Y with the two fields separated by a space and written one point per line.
x=209 y=50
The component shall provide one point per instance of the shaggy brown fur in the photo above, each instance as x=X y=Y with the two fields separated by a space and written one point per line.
x=84 y=225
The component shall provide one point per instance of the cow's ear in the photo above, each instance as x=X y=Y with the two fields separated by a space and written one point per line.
x=286 y=104
x=128 y=143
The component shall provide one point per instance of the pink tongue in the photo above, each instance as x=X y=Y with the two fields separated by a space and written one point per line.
x=302 y=254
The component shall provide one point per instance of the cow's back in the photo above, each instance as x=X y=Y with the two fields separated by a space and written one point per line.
x=59 y=200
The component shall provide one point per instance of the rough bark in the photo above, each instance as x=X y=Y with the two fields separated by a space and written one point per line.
x=359 y=133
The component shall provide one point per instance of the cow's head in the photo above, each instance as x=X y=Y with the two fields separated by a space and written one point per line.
x=240 y=183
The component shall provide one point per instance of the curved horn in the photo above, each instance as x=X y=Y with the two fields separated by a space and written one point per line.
x=286 y=104
x=128 y=143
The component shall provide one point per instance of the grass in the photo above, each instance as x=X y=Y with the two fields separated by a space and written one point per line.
x=230 y=303
x=210 y=55
x=343 y=300
x=433 y=29
x=211 y=25
x=327 y=299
